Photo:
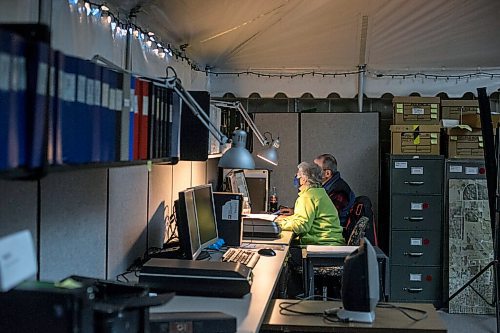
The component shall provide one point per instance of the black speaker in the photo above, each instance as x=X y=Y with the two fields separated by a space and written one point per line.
x=228 y=207
x=194 y=135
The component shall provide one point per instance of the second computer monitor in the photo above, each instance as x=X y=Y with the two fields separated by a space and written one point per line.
x=205 y=214
x=238 y=183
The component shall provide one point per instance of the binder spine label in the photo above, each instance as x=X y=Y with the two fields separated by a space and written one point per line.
x=112 y=99
x=42 y=79
x=119 y=99
x=80 y=95
x=69 y=87
x=97 y=92
x=18 y=74
x=52 y=86
x=145 y=104
x=4 y=71
x=105 y=95
x=90 y=92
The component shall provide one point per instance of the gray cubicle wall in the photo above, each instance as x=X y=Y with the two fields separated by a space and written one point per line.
x=18 y=207
x=160 y=203
x=286 y=127
x=353 y=138
x=127 y=217
x=73 y=224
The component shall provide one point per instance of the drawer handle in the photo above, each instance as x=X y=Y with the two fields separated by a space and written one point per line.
x=414 y=254
x=413 y=290
x=414 y=218
x=414 y=183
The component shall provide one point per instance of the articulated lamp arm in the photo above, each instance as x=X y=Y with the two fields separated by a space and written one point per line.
x=175 y=84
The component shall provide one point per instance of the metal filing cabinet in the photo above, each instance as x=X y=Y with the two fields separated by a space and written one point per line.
x=416 y=206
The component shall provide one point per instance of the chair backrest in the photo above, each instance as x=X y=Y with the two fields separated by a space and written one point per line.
x=362 y=208
x=358 y=232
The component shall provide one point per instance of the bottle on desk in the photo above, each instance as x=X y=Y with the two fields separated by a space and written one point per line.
x=246 y=207
x=273 y=200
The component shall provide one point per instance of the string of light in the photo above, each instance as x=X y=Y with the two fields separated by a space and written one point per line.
x=123 y=27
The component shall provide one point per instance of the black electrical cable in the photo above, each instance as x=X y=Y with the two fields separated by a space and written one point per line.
x=404 y=310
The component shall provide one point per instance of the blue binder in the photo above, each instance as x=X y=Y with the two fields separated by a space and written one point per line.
x=69 y=121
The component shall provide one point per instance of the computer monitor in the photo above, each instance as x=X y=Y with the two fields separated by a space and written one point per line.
x=205 y=215
x=360 y=284
x=258 y=189
x=187 y=225
x=238 y=183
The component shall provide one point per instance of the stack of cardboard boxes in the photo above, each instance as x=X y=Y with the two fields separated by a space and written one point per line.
x=417 y=127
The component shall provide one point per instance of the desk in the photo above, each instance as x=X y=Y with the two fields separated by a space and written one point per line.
x=386 y=320
x=318 y=259
x=249 y=310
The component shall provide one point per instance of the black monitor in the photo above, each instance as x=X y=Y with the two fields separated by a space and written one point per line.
x=360 y=284
x=187 y=224
x=205 y=215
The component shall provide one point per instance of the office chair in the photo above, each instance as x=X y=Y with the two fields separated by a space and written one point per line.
x=331 y=275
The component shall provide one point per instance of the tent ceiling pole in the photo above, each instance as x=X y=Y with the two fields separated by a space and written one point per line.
x=361 y=86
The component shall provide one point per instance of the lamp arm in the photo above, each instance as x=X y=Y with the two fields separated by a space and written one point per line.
x=175 y=84
x=109 y=63
x=238 y=106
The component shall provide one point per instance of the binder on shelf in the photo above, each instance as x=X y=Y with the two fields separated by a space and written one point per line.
x=151 y=121
x=115 y=140
x=174 y=125
x=133 y=129
x=69 y=115
x=83 y=112
x=124 y=145
x=137 y=116
x=107 y=110
x=144 y=121
x=53 y=156
x=98 y=142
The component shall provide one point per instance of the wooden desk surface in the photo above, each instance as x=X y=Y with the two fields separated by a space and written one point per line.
x=386 y=319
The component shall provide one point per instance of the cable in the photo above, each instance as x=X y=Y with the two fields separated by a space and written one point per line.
x=403 y=310
x=286 y=310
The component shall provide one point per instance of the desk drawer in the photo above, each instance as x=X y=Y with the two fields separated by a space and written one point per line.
x=418 y=283
x=417 y=176
x=416 y=247
x=416 y=212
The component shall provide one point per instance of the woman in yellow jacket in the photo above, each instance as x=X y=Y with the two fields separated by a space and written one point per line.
x=315 y=219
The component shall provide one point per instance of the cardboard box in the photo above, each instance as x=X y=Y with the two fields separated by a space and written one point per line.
x=454 y=109
x=462 y=143
x=474 y=120
x=416 y=110
x=415 y=139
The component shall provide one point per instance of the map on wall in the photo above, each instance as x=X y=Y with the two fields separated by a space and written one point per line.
x=470 y=246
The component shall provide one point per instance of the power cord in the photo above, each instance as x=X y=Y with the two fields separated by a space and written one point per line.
x=328 y=315
x=404 y=310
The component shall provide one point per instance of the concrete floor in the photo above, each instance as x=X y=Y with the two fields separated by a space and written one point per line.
x=462 y=323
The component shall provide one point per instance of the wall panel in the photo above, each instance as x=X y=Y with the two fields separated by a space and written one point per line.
x=127 y=229
x=160 y=203
x=73 y=224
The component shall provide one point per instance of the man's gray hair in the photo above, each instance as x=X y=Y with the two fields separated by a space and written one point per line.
x=312 y=173
x=328 y=162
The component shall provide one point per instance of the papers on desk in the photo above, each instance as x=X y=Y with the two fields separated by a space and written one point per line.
x=267 y=217
x=327 y=249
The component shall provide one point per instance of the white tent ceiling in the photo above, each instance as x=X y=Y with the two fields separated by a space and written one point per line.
x=326 y=35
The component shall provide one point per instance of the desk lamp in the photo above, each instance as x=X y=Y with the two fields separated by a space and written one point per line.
x=270 y=151
x=237 y=157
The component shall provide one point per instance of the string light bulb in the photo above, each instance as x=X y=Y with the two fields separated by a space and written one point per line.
x=104 y=8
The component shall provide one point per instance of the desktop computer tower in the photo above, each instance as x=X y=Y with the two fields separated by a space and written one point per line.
x=228 y=207
x=258 y=189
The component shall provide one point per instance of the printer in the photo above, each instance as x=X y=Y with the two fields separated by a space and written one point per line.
x=260 y=226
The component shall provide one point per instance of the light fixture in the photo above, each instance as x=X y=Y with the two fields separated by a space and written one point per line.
x=237 y=157
x=270 y=151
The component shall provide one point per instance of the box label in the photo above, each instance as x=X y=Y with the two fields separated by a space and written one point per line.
x=416 y=277
x=417 y=206
x=456 y=169
x=417 y=170
x=416 y=241
x=471 y=170
x=400 y=165
x=415 y=110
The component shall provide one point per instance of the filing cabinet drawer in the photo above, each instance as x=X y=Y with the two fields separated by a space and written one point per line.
x=417 y=176
x=416 y=212
x=416 y=283
x=416 y=248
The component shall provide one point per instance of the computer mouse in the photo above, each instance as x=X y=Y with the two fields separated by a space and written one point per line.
x=267 y=252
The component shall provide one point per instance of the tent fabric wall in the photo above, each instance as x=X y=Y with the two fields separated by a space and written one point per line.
x=19 y=11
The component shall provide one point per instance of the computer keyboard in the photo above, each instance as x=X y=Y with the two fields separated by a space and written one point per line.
x=246 y=257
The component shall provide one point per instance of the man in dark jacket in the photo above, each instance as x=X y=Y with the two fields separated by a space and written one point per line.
x=338 y=190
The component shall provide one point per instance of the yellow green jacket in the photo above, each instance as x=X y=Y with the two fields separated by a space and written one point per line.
x=315 y=219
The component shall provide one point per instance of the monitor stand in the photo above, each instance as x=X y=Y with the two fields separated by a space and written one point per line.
x=359 y=316
x=203 y=255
